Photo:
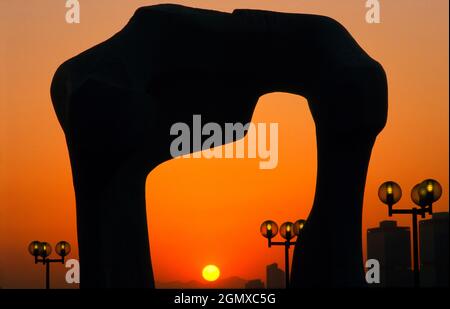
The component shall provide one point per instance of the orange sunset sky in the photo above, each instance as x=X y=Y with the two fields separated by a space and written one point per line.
x=219 y=202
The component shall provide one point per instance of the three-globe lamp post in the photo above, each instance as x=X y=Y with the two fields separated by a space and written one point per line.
x=288 y=231
x=42 y=250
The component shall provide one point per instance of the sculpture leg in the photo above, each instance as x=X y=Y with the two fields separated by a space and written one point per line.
x=329 y=250
x=106 y=129
x=112 y=231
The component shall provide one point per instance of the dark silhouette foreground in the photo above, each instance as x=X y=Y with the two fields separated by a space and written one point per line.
x=117 y=101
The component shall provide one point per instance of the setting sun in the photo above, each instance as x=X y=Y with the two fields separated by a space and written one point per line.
x=211 y=273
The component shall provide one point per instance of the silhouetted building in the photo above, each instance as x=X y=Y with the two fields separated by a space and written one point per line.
x=391 y=246
x=254 y=284
x=275 y=277
x=434 y=250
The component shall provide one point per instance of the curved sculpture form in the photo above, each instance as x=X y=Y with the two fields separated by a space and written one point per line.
x=117 y=101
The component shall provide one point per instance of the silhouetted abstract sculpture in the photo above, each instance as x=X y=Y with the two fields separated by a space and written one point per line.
x=117 y=101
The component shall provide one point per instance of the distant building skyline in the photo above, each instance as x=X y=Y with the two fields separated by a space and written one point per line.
x=275 y=277
x=390 y=244
x=254 y=284
x=434 y=257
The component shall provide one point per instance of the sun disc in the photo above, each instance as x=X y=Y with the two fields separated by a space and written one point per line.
x=211 y=273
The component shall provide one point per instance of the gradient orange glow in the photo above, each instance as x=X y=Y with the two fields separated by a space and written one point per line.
x=219 y=203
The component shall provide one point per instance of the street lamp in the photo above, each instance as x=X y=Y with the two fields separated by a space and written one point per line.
x=390 y=193
x=41 y=251
x=288 y=231
x=423 y=195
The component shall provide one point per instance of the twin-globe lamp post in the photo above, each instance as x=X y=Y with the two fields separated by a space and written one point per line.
x=41 y=251
x=423 y=195
x=288 y=231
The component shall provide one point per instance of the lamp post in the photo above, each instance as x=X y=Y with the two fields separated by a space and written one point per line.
x=288 y=231
x=41 y=251
x=423 y=195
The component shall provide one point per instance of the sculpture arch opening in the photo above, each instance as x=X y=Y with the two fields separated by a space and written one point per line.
x=230 y=198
